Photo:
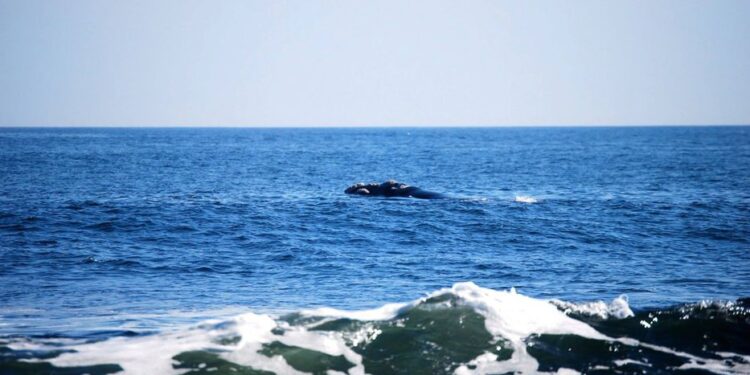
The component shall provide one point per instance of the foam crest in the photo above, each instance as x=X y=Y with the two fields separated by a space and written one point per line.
x=617 y=309
x=514 y=317
x=525 y=199
x=385 y=312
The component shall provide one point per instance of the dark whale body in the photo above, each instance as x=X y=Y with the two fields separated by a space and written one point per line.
x=391 y=188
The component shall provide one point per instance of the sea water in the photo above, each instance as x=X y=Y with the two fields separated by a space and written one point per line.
x=150 y=251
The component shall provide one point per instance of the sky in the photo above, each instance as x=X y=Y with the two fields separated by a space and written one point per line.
x=373 y=63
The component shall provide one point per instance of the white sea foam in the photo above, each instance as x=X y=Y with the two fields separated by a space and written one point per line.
x=617 y=309
x=623 y=362
x=385 y=312
x=514 y=317
x=508 y=315
x=526 y=199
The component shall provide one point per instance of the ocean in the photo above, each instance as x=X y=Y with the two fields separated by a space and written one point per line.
x=236 y=251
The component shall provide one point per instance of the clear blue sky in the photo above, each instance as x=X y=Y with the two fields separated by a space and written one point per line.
x=307 y=63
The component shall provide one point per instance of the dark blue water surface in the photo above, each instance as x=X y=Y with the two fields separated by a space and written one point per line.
x=104 y=226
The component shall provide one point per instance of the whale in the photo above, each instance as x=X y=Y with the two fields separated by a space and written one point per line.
x=391 y=188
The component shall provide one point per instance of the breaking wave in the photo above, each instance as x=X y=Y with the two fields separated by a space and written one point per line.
x=465 y=329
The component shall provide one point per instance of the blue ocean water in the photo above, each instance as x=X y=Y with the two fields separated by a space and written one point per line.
x=110 y=229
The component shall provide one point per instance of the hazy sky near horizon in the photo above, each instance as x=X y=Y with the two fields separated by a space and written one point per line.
x=338 y=63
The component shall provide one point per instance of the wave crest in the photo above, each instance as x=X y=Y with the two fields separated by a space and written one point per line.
x=465 y=329
x=617 y=309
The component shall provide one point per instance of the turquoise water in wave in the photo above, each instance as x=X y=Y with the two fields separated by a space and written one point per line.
x=112 y=233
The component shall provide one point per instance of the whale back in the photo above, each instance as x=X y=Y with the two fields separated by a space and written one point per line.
x=390 y=188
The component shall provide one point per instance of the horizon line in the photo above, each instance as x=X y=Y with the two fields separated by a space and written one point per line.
x=373 y=126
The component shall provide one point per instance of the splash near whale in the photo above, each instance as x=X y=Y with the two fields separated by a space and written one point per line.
x=391 y=188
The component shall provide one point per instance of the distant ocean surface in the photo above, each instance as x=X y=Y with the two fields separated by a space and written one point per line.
x=236 y=251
